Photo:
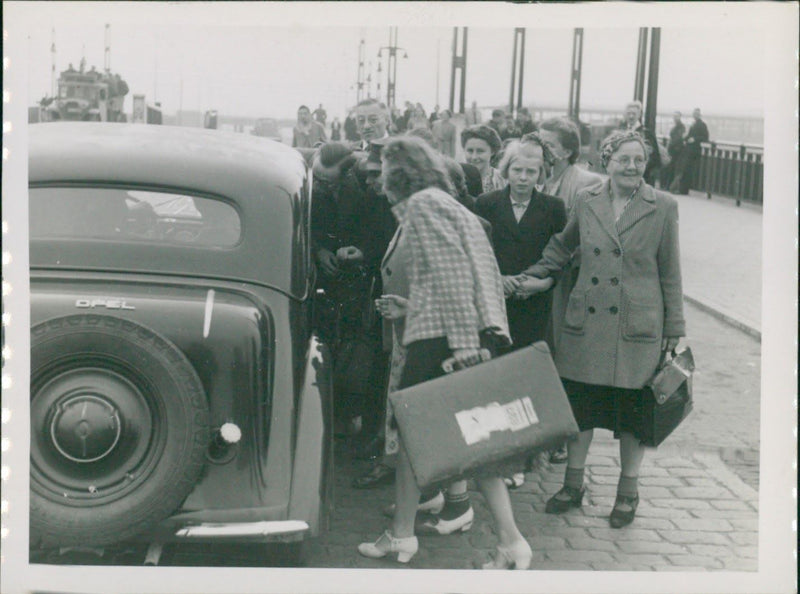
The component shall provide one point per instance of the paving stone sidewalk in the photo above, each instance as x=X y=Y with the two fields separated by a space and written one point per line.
x=694 y=515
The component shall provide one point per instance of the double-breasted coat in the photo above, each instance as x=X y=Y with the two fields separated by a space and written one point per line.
x=518 y=245
x=628 y=295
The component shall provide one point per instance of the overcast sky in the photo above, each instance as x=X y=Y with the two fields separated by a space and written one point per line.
x=261 y=60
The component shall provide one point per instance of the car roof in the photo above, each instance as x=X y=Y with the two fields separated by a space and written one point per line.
x=264 y=179
x=209 y=161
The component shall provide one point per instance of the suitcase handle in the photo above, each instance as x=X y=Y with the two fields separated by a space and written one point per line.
x=450 y=365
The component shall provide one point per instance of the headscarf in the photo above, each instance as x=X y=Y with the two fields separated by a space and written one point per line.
x=613 y=141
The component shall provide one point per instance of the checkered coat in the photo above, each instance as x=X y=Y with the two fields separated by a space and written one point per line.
x=628 y=294
x=455 y=286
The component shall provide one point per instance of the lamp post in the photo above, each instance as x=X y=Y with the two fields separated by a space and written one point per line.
x=360 y=79
x=391 y=67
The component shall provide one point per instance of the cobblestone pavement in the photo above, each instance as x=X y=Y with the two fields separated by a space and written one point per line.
x=698 y=491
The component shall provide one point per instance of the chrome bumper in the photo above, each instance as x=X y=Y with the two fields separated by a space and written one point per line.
x=266 y=531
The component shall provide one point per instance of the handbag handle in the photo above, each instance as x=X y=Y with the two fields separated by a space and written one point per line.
x=662 y=360
x=450 y=365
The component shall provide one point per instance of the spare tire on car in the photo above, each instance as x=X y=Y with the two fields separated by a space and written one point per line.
x=119 y=428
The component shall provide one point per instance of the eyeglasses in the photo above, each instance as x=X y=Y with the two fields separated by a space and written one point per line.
x=638 y=162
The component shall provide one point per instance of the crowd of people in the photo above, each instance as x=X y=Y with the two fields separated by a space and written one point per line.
x=423 y=259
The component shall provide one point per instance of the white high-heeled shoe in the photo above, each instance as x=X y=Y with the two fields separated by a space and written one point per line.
x=438 y=525
x=517 y=556
x=405 y=548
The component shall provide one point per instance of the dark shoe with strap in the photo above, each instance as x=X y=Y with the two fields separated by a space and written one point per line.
x=621 y=518
x=378 y=476
x=566 y=498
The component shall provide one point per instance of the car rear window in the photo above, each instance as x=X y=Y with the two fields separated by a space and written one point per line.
x=132 y=215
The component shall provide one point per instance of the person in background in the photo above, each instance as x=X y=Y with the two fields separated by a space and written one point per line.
x=698 y=134
x=510 y=130
x=449 y=256
x=481 y=144
x=418 y=119
x=307 y=133
x=434 y=114
x=336 y=130
x=351 y=128
x=473 y=116
x=525 y=123
x=498 y=122
x=523 y=220
x=632 y=121
x=320 y=115
x=674 y=149
x=445 y=132
x=625 y=311
x=562 y=138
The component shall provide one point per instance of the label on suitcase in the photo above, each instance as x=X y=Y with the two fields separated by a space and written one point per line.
x=477 y=416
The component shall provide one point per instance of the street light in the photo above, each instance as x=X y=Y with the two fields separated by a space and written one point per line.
x=392 y=65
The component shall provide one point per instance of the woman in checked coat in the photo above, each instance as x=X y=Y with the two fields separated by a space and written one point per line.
x=625 y=309
x=455 y=309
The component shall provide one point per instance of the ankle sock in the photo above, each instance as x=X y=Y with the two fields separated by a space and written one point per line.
x=628 y=486
x=454 y=506
x=573 y=477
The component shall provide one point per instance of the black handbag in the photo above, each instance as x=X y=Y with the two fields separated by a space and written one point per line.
x=667 y=397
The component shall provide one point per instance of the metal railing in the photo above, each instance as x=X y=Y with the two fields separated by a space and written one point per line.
x=736 y=171
x=731 y=170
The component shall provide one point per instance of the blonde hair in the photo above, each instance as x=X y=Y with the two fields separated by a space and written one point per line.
x=518 y=148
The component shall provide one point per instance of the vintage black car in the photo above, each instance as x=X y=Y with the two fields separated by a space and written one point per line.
x=178 y=392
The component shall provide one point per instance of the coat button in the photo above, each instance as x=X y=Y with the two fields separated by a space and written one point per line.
x=591 y=309
x=617 y=252
x=615 y=281
x=596 y=251
x=388 y=272
x=595 y=280
x=613 y=309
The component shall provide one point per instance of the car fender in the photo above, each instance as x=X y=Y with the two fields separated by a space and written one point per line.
x=312 y=468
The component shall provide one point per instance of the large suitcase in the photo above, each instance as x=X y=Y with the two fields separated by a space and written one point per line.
x=469 y=419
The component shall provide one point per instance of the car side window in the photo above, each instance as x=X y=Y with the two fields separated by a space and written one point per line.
x=125 y=215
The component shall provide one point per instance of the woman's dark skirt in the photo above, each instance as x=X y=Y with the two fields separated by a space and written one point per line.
x=606 y=407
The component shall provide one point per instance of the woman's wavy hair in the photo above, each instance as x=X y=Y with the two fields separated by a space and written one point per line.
x=457 y=179
x=617 y=138
x=426 y=135
x=518 y=147
x=482 y=132
x=410 y=165
x=568 y=135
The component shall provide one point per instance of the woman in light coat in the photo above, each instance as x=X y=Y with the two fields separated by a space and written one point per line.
x=625 y=309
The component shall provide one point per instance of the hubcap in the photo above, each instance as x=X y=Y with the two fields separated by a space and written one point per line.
x=85 y=428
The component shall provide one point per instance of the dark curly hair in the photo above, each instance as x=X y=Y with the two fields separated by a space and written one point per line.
x=481 y=132
x=568 y=135
x=410 y=165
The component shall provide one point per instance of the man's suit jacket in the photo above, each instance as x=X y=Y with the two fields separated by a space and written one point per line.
x=518 y=245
